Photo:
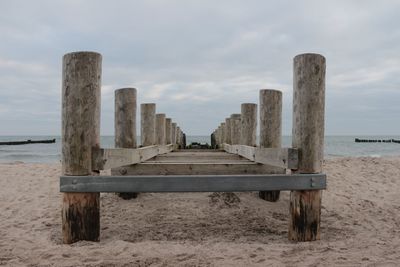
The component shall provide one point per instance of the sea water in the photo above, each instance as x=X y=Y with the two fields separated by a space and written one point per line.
x=335 y=146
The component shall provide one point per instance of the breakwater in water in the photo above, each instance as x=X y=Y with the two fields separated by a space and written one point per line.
x=357 y=140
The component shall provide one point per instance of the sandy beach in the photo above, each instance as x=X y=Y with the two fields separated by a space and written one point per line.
x=360 y=223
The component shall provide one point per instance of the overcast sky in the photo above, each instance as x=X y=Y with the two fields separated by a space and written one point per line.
x=199 y=60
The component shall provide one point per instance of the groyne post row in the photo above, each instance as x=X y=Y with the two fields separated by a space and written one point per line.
x=81 y=135
x=307 y=137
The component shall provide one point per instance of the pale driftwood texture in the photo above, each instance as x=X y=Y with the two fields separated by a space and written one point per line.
x=248 y=124
x=178 y=136
x=125 y=118
x=148 y=124
x=308 y=137
x=125 y=124
x=228 y=131
x=235 y=129
x=168 y=131
x=278 y=157
x=173 y=133
x=270 y=128
x=160 y=129
x=81 y=83
x=107 y=158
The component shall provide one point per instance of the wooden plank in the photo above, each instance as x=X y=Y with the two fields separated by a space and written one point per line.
x=221 y=168
x=192 y=183
x=279 y=157
x=107 y=158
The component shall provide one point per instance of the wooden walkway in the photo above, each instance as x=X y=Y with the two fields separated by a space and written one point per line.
x=197 y=162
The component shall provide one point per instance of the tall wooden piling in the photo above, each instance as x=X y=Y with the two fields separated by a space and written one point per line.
x=81 y=83
x=178 y=136
x=125 y=124
x=160 y=129
x=148 y=124
x=228 y=131
x=235 y=129
x=223 y=133
x=173 y=133
x=168 y=131
x=270 y=128
x=248 y=124
x=213 y=140
x=308 y=137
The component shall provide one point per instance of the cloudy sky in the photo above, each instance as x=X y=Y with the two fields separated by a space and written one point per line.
x=198 y=60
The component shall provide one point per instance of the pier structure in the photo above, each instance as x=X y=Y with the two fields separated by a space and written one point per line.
x=162 y=164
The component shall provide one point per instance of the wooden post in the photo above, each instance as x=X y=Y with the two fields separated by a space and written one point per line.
x=248 y=124
x=228 y=131
x=213 y=140
x=81 y=83
x=184 y=140
x=308 y=137
x=270 y=128
x=168 y=131
x=223 y=133
x=160 y=129
x=178 y=136
x=125 y=124
x=235 y=129
x=173 y=133
x=148 y=124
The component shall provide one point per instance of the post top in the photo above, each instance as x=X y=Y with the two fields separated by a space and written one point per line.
x=83 y=53
x=125 y=89
x=270 y=90
x=148 y=104
x=309 y=55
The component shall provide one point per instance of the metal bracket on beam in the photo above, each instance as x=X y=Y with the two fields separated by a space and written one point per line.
x=192 y=183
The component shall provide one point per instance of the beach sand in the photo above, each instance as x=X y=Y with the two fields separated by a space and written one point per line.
x=360 y=223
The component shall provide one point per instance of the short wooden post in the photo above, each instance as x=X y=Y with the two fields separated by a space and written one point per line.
x=178 y=136
x=248 y=124
x=270 y=128
x=235 y=129
x=173 y=133
x=213 y=140
x=148 y=124
x=228 y=131
x=308 y=137
x=160 y=129
x=81 y=83
x=168 y=131
x=223 y=133
x=125 y=124
x=184 y=140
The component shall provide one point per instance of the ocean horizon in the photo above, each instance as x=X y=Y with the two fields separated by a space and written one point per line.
x=335 y=146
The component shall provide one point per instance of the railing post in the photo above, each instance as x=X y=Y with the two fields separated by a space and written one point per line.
x=148 y=124
x=248 y=124
x=308 y=137
x=81 y=83
x=160 y=129
x=270 y=128
x=125 y=124
x=168 y=131
x=235 y=129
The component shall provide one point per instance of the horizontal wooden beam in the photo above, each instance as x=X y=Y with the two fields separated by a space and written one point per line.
x=192 y=183
x=107 y=158
x=279 y=157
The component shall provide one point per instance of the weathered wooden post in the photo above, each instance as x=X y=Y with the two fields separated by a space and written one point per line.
x=173 y=133
x=228 y=131
x=168 y=131
x=125 y=124
x=148 y=124
x=235 y=129
x=223 y=134
x=160 y=129
x=81 y=83
x=184 y=140
x=248 y=124
x=270 y=128
x=213 y=140
x=308 y=137
x=178 y=136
